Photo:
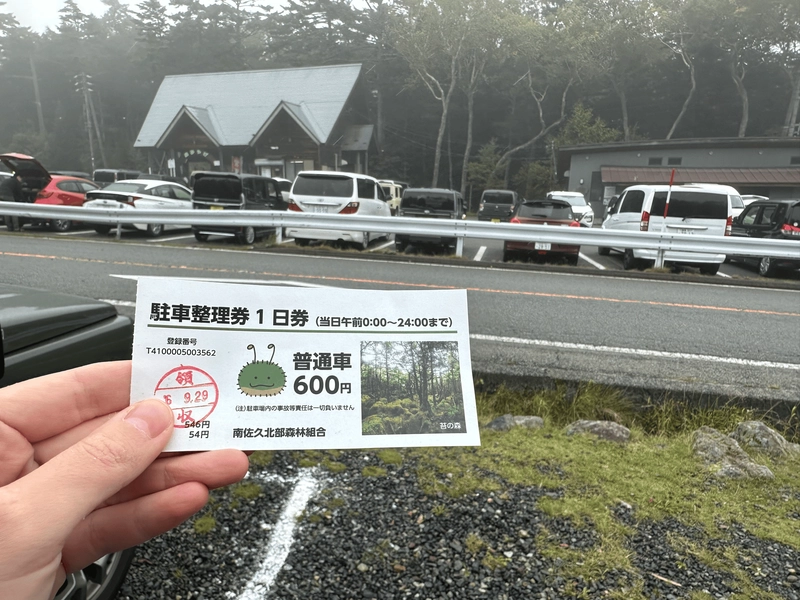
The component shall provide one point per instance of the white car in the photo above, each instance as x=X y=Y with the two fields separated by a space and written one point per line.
x=145 y=194
x=580 y=208
x=334 y=192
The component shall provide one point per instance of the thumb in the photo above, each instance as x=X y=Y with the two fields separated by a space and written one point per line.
x=72 y=484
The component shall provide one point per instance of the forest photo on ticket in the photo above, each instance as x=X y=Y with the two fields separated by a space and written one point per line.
x=411 y=388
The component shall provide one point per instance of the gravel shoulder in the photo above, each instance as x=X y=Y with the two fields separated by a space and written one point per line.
x=555 y=521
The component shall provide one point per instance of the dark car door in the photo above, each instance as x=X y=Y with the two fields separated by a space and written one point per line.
x=758 y=220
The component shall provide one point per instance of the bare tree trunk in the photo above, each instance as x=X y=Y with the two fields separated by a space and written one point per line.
x=468 y=148
x=623 y=104
x=738 y=78
x=693 y=76
x=445 y=99
x=794 y=103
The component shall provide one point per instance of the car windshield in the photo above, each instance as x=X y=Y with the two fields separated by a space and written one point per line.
x=498 y=198
x=323 y=185
x=691 y=205
x=573 y=200
x=545 y=210
x=431 y=201
x=736 y=201
x=284 y=186
x=228 y=188
x=126 y=186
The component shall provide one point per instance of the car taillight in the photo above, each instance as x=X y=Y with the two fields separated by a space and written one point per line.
x=349 y=209
x=574 y=224
x=293 y=206
x=44 y=194
x=514 y=220
x=790 y=230
x=644 y=224
x=131 y=199
x=728 y=225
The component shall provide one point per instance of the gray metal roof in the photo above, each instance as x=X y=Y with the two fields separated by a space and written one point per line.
x=786 y=176
x=234 y=106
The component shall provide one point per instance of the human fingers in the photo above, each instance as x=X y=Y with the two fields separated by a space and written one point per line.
x=213 y=469
x=121 y=526
x=59 y=494
x=45 y=406
x=16 y=453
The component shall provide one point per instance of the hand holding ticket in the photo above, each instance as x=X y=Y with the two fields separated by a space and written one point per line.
x=266 y=367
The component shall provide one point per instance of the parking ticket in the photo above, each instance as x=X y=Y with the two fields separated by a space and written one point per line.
x=260 y=367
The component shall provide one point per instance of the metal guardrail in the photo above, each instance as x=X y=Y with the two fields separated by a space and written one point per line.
x=649 y=240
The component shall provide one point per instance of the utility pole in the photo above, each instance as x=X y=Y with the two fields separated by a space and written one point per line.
x=83 y=85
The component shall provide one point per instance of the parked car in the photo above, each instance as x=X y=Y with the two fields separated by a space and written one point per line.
x=142 y=194
x=747 y=199
x=429 y=203
x=580 y=207
x=699 y=209
x=285 y=187
x=551 y=212
x=44 y=332
x=106 y=176
x=42 y=187
x=773 y=219
x=64 y=191
x=497 y=205
x=334 y=192
x=234 y=191
x=393 y=190
x=80 y=174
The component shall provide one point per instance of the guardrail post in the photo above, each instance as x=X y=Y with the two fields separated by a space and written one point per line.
x=459 y=246
x=119 y=230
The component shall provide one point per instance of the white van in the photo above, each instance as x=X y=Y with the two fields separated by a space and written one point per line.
x=695 y=208
x=336 y=192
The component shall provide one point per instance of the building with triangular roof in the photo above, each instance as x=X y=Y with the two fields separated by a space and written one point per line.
x=271 y=122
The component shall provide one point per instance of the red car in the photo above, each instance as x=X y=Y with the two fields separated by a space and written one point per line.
x=543 y=212
x=41 y=187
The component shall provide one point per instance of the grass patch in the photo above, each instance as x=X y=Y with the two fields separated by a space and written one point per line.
x=656 y=473
x=205 y=524
x=390 y=456
x=246 y=490
x=371 y=471
x=261 y=458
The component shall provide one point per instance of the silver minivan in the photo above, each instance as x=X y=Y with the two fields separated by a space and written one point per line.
x=695 y=209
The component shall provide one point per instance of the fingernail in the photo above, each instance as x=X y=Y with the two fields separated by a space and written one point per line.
x=149 y=418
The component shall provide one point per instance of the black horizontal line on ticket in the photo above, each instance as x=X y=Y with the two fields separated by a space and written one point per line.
x=338 y=331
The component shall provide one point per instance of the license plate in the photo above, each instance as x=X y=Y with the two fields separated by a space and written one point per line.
x=495 y=220
x=216 y=208
x=685 y=231
x=319 y=209
x=541 y=245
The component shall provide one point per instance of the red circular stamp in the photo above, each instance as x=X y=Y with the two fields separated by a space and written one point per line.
x=191 y=393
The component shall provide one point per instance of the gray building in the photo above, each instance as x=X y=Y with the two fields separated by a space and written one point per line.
x=763 y=166
x=270 y=122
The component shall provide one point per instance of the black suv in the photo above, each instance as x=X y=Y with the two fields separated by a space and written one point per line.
x=233 y=191
x=429 y=203
x=775 y=219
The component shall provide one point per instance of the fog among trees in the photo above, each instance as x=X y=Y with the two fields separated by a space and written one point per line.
x=461 y=91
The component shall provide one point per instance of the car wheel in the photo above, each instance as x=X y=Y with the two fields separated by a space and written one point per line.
x=603 y=251
x=200 y=237
x=102 y=229
x=155 y=230
x=709 y=269
x=766 y=267
x=364 y=244
x=572 y=260
x=508 y=256
x=302 y=242
x=399 y=245
x=60 y=225
x=247 y=236
x=100 y=580
x=13 y=224
x=629 y=261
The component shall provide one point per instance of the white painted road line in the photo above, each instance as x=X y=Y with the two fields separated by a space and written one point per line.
x=480 y=254
x=280 y=542
x=382 y=246
x=636 y=352
x=595 y=264
x=172 y=239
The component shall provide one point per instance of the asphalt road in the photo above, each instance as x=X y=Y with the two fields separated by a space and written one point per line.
x=722 y=336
